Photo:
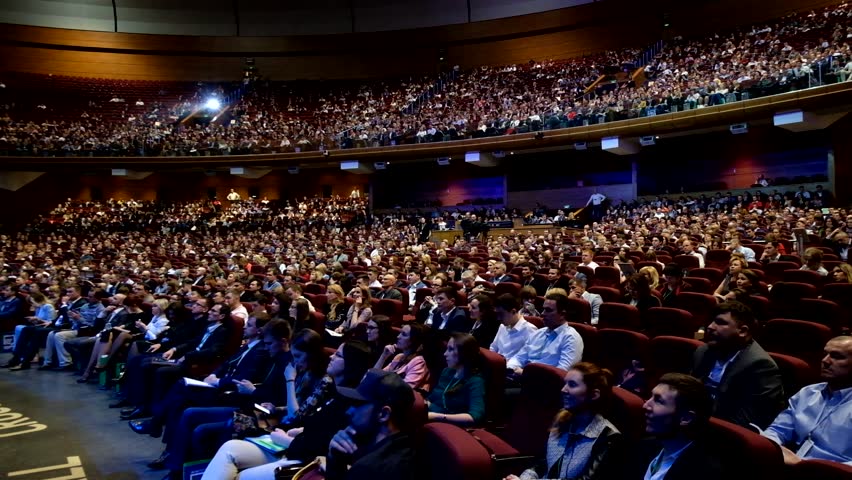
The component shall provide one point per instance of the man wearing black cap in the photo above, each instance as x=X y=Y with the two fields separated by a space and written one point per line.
x=375 y=443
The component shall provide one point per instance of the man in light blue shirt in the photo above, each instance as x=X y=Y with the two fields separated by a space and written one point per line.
x=816 y=424
x=558 y=344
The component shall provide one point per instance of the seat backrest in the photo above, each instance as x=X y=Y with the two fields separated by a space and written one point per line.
x=803 y=276
x=669 y=321
x=451 y=453
x=627 y=414
x=670 y=354
x=714 y=275
x=795 y=372
x=606 y=276
x=822 y=311
x=537 y=321
x=538 y=403
x=750 y=454
x=687 y=261
x=700 y=305
x=698 y=285
x=507 y=287
x=591 y=342
x=494 y=371
x=798 y=338
x=620 y=347
x=619 y=315
x=608 y=294
x=580 y=311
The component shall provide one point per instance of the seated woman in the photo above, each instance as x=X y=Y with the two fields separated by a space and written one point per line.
x=245 y=460
x=406 y=356
x=459 y=397
x=306 y=374
x=119 y=330
x=379 y=333
x=335 y=309
x=748 y=283
x=582 y=443
x=729 y=282
x=652 y=275
x=155 y=328
x=299 y=314
x=485 y=323
x=360 y=310
x=639 y=293
x=842 y=273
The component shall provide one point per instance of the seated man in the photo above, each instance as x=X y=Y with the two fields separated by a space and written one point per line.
x=558 y=345
x=514 y=330
x=742 y=378
x=155 y=378
x=676 y=416
x=447 y=316
x=817 y=421
x=249 y=363
x=33 y=337
x=578 y=291
x=375 y=444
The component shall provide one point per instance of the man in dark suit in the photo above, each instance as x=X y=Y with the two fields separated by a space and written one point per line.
x=771 y=254
x=447 y=316
x=249 y=363
x=158 y=375
x=676 y=415
x=742 y=378
x=499 y=274
x=389 y=289
x=425 y=230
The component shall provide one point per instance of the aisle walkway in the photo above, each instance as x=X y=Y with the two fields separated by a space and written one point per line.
x=51 y=423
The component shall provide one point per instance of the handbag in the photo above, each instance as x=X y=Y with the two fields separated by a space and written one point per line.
x=252 y=425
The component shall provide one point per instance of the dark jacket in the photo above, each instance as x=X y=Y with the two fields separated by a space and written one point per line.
x=319 y=429
x=751 y=389
x=212 y=349
x=392 y=458
x=694 y=463
x=253 y=367
x=458 y=321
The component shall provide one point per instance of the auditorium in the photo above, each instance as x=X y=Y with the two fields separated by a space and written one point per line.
x=455 y=240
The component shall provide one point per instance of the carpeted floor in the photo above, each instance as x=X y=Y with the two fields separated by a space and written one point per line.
x=51 y=423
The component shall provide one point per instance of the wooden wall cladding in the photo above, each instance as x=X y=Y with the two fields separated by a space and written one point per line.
x=569 y=32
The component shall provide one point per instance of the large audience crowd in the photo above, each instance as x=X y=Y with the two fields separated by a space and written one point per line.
x=799 y=51
x=248 y=299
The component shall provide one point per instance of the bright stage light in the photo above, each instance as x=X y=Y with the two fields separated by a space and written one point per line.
x=213 y=104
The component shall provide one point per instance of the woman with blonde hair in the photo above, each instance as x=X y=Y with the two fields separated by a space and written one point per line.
x=335 y=307
x=842 y=273
x=652 y=275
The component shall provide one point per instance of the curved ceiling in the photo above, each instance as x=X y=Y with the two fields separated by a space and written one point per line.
x=263 y=17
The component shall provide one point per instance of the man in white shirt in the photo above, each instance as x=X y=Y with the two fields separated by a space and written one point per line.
x=238 y=311
x=586 y=259
x=558 y=345
x=514 y=330
x=596 y=201
x=689 y=249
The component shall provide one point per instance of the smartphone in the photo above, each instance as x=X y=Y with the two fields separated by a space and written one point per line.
x=261 y=408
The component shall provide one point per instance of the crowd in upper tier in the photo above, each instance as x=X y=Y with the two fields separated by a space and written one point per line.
x=60 y=116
